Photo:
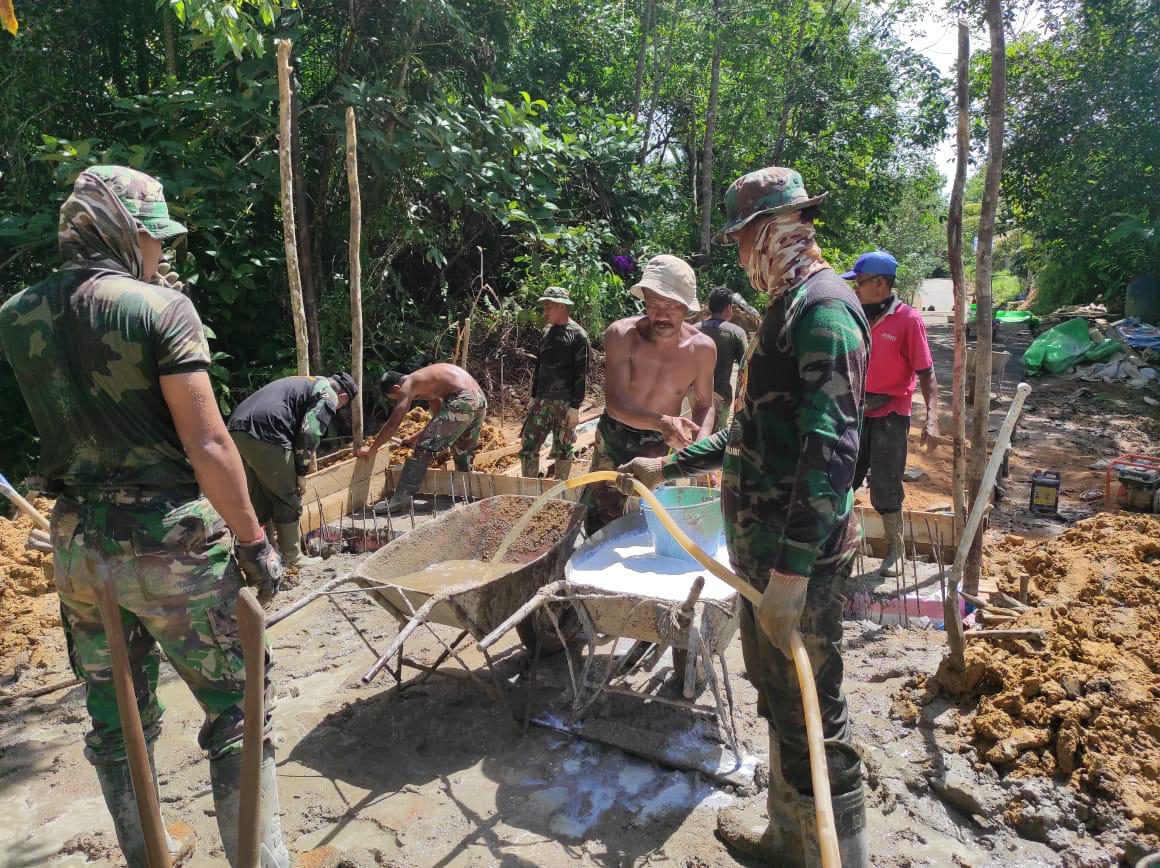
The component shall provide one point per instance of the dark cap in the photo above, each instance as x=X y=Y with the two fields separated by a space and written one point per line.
x=344 y=382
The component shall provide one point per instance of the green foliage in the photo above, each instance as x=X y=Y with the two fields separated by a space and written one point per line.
x=232 y=26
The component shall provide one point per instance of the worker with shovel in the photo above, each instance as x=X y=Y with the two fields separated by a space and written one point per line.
x=787 y=466
x=277 y=430
x=558 y=387
x=900 y=355
x=153 y=532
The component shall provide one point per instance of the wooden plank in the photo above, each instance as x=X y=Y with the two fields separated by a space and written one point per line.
x=353 y=473
x=940 y=525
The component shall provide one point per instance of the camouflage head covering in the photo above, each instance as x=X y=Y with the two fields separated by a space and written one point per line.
x=783 y=255
x=99 y=221
x=557 y=294
x=767 y=192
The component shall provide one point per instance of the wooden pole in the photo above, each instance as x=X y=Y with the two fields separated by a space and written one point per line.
x=958 y=280
x=289 y=230
x=252 y=632
x=996 y=108
x=356 y=317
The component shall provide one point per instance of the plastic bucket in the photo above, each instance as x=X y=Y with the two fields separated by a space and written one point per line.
x=696 y=510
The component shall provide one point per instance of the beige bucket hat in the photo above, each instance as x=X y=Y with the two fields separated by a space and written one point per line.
x=670 y=277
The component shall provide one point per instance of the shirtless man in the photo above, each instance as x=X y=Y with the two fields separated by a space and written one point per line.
x=457 y=406
x=652 y=362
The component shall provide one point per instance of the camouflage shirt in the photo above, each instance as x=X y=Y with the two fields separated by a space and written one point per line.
x=731 y=346
x=562 y=365
x=788 y=459
x=293 y=412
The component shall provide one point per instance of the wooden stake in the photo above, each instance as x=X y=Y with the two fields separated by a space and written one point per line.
x=1030 y=633
x=289 y=229
x=958 y=280
x=356 y=318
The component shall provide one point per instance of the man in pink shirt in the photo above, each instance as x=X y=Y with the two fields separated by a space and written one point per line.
x=899 y=356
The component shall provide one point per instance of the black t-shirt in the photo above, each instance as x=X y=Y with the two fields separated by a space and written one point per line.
x=277 y=412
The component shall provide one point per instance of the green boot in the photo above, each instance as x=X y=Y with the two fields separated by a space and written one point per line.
x=289 y=548
x=893 y=562
x=225 y=775
x=770 y=832
x=530 y=466
x=117 y=788
x=850 y=822
x=563 y=468
x=410 y=478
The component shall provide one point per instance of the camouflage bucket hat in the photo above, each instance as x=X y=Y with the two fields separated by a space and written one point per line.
x=143 y=197
x=765 y=193
x=557 y=294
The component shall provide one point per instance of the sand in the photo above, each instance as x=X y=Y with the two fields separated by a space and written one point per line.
x=490 y=438
x=30 y=636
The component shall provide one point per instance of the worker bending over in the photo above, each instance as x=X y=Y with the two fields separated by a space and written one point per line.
x=150 y=492
x=558 y=387
x=277 y=431
x=651 y=362
x=899 y=353
x=457 y=406
x=787 y=470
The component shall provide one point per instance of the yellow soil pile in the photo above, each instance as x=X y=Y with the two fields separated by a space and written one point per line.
x=490 y=438
x=1085 y=704
x=30 y=635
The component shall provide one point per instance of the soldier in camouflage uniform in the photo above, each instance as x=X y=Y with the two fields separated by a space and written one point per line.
x=151 y=495
x=787 y=468
x=277 y=430
x=558 y=387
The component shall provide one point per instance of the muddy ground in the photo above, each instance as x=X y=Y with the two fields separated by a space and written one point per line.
x=441 y=774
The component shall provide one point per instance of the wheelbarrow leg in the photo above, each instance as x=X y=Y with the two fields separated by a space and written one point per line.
x=442 y=657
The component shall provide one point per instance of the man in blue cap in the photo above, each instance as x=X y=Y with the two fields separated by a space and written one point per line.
x=899 y=356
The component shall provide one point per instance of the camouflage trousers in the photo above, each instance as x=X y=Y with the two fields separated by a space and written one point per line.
x=547 y=417
x=778 y=695
x=177 y=586
x=721 y=408
x=271 y=478
x=616 y=443
x=456 y=427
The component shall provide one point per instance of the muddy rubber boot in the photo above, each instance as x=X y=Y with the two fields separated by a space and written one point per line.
x=771 y=831
x=410 y=478
x=225 y=776
x=530 y=467
x=117 y=788
x=893 y=562
x=850 y=822
x=563 y=468
x=289 y=549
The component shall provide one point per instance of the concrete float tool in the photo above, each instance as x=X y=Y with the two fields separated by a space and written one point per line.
x=819 y=772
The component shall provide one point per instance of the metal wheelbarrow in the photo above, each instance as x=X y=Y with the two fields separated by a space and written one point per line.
x=473 y=532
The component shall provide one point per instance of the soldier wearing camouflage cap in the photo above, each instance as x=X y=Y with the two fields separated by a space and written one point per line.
x=787 y=466
x=558 y=387
x=151 y=494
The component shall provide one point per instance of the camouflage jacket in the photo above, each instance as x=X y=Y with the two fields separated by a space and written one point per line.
x=788 y=458
x=293 y=412
x=562 y=365
x=89 y=345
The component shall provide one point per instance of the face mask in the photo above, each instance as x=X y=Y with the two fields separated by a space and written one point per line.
x=875 y=310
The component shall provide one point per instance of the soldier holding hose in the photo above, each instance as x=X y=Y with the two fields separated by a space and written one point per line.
x=787 y=466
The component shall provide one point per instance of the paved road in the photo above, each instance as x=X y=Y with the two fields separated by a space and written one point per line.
x=938 y=291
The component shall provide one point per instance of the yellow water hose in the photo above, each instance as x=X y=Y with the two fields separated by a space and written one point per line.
x=819 y=774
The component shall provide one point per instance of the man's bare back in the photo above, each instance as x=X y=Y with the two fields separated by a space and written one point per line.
x=439 y=381
x=652 y=362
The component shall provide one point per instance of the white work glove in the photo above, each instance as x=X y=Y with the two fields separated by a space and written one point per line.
x=647 y=470
x=573 y=418
x=167 y=276
x=781 y=608
x=38 y=541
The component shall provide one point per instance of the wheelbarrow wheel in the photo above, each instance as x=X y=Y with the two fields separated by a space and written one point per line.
x=537 y=630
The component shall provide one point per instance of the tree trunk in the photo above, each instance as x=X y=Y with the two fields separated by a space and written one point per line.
x=356 y=323
x=694 y=181
x=289 y=233
x=996 y=108
x=310 y=294
x=169 y=42
x=642 y=56
x=710 y=126
x=955 y=257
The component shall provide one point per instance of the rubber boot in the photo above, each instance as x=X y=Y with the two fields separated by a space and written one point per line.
x=850 y=822
x=563 y=468
x=289 y=549
x=770 y=832
x=530 y=466
x=117 y=788
x=410 y=478
x=893 y=562
x=225 y=776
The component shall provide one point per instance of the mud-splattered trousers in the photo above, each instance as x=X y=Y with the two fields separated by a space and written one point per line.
x=456 y=427
x=547 y=417
x=787 y=465
x=616 y=443
x=177 y=583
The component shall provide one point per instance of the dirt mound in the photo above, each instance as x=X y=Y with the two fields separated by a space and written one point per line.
x=490 y=438
x=30 y=637
x=1083 y=706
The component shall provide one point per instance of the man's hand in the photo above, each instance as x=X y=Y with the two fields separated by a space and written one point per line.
x=930 y=436
x=301 y=487
x=647 y=470
x=573 y=417
x=678 y=431
x=261 y=566
x=167 y=276
x=781 y=608
x=366 y=451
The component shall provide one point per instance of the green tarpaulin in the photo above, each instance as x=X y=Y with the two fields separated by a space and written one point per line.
x=1057 y=349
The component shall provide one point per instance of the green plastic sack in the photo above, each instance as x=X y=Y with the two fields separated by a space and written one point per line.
x=1057 y=349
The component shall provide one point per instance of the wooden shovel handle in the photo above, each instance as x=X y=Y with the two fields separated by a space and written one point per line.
x=252 y=631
